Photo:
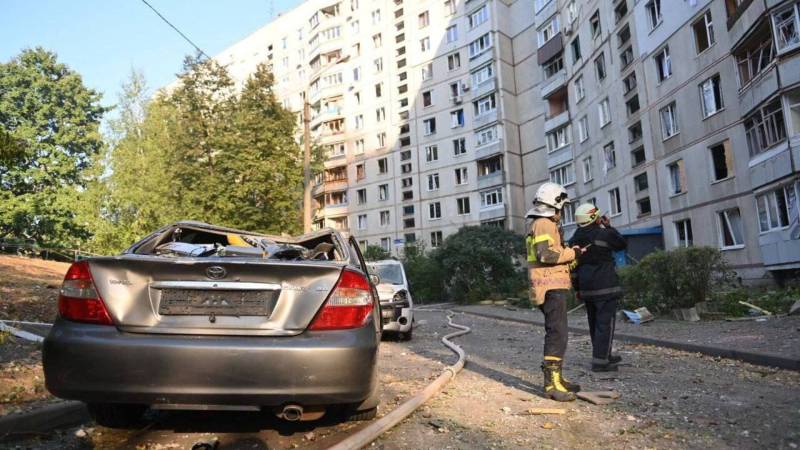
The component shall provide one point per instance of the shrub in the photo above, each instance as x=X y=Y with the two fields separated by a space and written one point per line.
x=424 y=275
x=376 y=253
x=774 y=300
x=680 y=278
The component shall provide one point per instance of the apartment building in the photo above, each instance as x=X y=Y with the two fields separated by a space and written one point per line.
x=680 y=118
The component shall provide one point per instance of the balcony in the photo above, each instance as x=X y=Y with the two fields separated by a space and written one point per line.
x=789 y=71
x=556 y=82
x=759 y=89
x=550 y=49
x=485 y=119
x=556 y=121
x=485 y=57
x=491 y=149
x=491 y=180
x=559 y=156
x=492 y=212
x=484 y=88
x=323 y=116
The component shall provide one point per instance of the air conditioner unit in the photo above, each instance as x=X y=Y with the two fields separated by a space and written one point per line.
x=568 y=29
x=457 y=100
x=465 y=87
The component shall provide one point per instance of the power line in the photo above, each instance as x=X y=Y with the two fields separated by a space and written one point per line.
x=176 y=29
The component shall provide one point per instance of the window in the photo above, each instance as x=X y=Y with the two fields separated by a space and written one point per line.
x=568 y=214
x=405 y=168
x=462 y=206
x=491 y=198
x=669 y=121
x=580 y=91
x=765 y=128
x=300 y=34
x=609 y=156
x=721 y=161
x=774 y=208
x=677 y=178
x=301 y=54
x=285 y=61
x=405 y=141
x=408 y=195
x=449 y=7
x=361 y=196
x=384 y=215
x=357 y=97
x=644 y=207
x=548 y=31
x=572 y=11
x=435 y=211
x=629 y=83
x=663 y=65
x=431 y=153
x=359 y=147
x=453 y=61
x=356 y=73
x=563 y=175
x=711 y=96
x=703 y=33
x=430 y=126
x=588 y=169
x=683 y=233
x=583 y=128
x=359 y=121
x=640 y=182
x=485 y=105
x=632 y=105
x=436 y=239
x=378 y=90
x=486 y=135
x=378 y=64
x=620 y=11
x=425 y=44
x=626 y=57
x=559 y=138
x=409 y=223
x=605 y=113
x=637 y=156
x=408 y=210
x=452 y=33
x=490 y=166
x=455 y=89
x=576 y=49
x=381 y=140
x=383 y=192
x=615 y=201
x=361 y=172
x=483 y=74
x=459 y=147
x=427 y=99
x=478 y=17
x=407 y=182
x=480 y=45
x=284 y=43
x=594 y=22
x=355 y=26
x=424 y=19
x=380 y=114
x=377 y=40
x=624 y=36
x=376 y=16
x=635 y=132
x=383 y=165
x=461 y=176
x=730 y=229
x=786 y=27
x=754 y=58
x=433 y=181
x=362 y=222
x=539 y=4
x=386 y=244
x=427 y=71
x=600 y=67
x=553 y=67
x=457 y=118
x=653 y=11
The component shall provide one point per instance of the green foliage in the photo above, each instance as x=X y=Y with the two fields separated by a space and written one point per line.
x=376 y=253
x=772 y=299
x=680 y=278
x=201 y=152
x=424 y=274
x=50 y=137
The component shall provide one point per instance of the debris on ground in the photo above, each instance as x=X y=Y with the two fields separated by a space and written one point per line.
x=639 y=316
x=599 y=398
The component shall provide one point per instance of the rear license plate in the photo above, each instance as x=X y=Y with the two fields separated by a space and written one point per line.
x=220 y=303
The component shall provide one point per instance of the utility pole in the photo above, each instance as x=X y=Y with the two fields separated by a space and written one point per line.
x=307 y=164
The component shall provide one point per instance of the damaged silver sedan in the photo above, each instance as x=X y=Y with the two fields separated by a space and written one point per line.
x=197 y=316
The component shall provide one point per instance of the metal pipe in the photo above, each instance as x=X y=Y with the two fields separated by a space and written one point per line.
x=293 y=413
x=375 y=429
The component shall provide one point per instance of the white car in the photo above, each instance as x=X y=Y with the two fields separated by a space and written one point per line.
x=395 y=297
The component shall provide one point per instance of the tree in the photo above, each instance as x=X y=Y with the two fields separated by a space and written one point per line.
x=422 y=271
x=54 y=120
x=376 y=253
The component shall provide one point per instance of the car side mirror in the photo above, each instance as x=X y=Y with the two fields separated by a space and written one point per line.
x=375 y=279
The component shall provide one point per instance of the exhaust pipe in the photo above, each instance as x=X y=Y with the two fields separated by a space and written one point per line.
x=292 y=413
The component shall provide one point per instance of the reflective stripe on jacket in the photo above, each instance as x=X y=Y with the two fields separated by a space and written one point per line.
x=548 y=259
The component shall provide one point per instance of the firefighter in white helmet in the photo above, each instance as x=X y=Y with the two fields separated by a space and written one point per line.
x=595 y=281
x=548 y=273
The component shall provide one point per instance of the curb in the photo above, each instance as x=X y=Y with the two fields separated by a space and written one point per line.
x=44 y=419
x=757 y=358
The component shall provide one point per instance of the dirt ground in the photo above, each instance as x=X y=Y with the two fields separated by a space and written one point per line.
x=29 y=288
x=670 y=399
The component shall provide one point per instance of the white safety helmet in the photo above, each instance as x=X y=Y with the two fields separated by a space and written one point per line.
x=586 y=214
x=550 y=197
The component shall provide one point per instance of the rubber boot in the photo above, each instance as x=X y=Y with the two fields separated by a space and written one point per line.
x=606 y=366
x=552 y=383
x=614 y=359
x=571 y=387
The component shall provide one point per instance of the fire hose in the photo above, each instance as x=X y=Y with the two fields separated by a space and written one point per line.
x=363 y=437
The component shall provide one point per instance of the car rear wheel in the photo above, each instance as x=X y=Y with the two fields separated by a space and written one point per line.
x=366 y=414
x=116 y=415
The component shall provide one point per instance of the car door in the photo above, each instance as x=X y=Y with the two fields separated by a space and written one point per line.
x=376 y=311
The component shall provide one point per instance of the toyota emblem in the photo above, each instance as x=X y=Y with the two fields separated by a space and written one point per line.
x=216 y=272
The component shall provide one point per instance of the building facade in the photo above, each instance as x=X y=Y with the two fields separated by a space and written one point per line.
x=680 y=118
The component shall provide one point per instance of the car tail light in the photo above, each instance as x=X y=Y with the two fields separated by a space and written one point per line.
x=78 y=300
x=348 y=306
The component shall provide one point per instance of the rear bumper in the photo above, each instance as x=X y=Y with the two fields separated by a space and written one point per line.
x=102 y=364
x=396 y=316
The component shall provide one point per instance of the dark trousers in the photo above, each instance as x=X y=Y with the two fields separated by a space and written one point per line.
x=555 y=322
x=602 y=318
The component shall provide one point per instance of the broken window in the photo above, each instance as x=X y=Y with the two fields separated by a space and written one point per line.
x=640 y=182
x=615 y=201
x=754 y=58
x=704 y=32
x=677 y=178
x=663 y=65
x=786 y=27
x=683 y=233
x=722 y=161
x=774 y=208
x=765 y=128
x=730 y=229
x=462 y=206
x=644 y=206
x=711 y=96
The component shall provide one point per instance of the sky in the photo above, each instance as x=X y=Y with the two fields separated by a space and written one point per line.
x=104 y=39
